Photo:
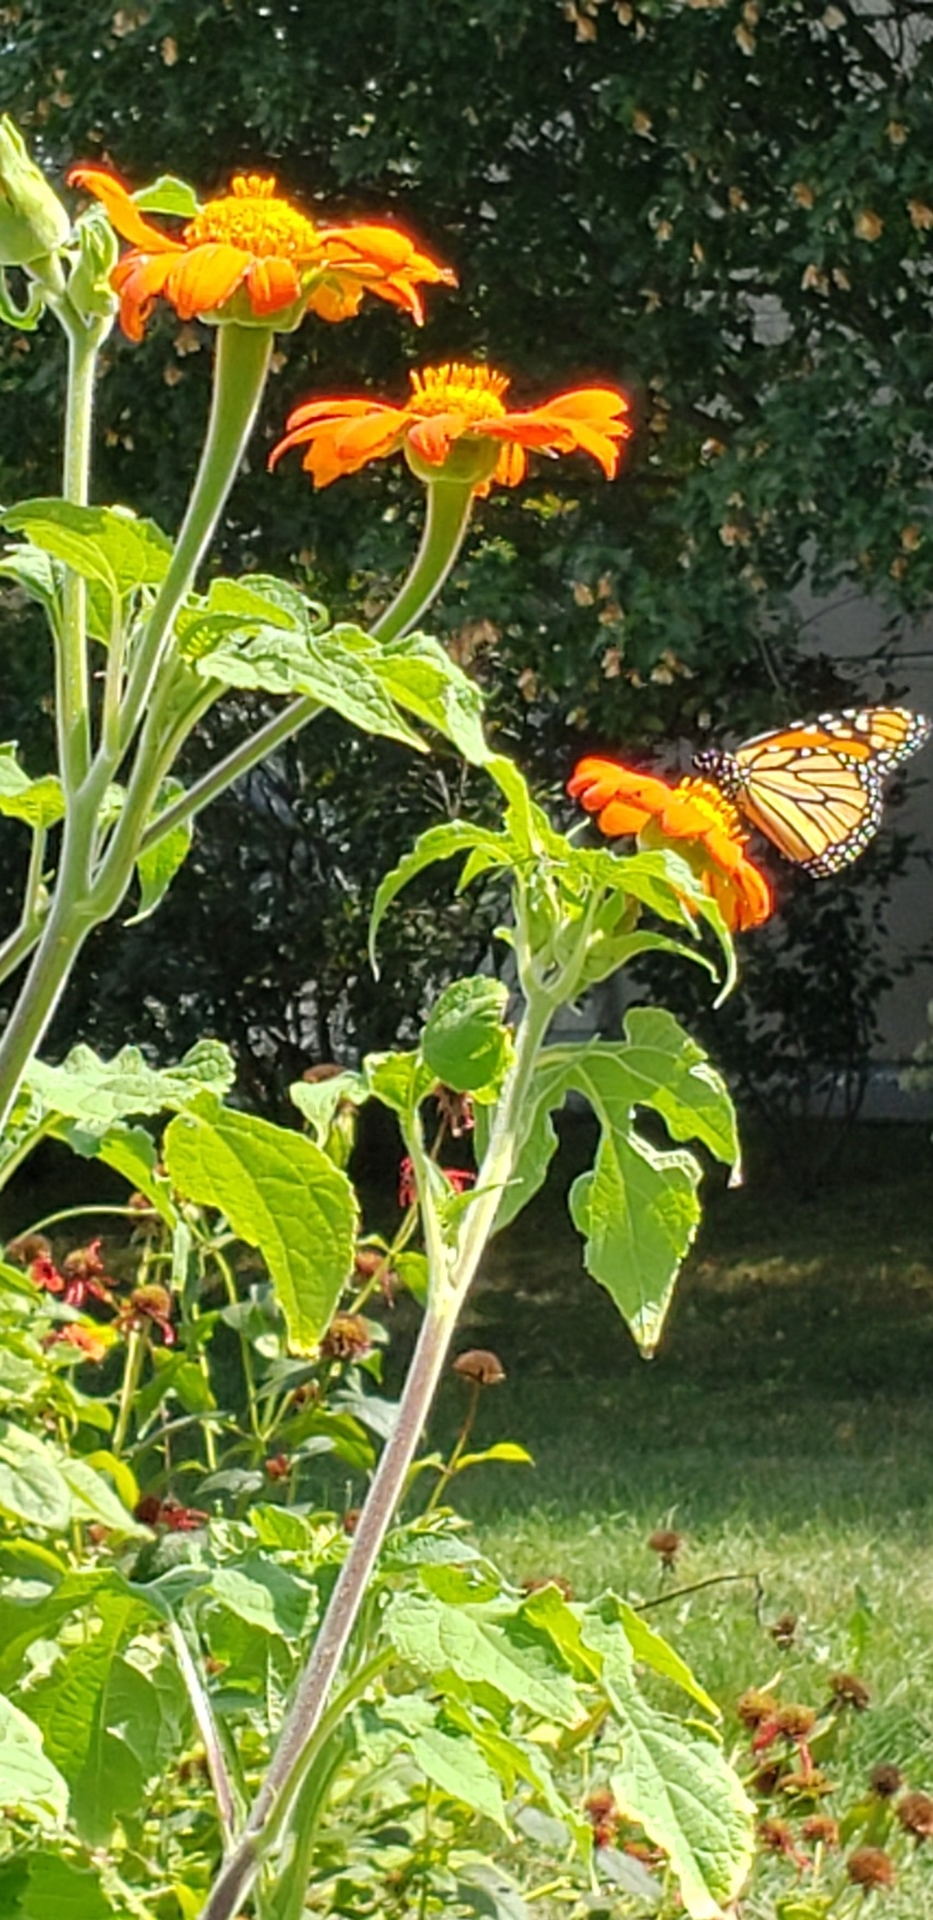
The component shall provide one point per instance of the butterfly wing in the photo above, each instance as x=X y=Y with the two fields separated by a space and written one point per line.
x=816 y=788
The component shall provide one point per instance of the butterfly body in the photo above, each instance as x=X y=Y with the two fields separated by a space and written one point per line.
x=816 y=788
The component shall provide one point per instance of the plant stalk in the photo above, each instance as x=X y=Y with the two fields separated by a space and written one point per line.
x=449 y=505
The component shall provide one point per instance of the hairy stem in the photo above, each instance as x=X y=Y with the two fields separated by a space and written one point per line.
x=447 y=515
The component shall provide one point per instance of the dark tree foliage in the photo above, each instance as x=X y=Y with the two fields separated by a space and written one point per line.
x=725 y=208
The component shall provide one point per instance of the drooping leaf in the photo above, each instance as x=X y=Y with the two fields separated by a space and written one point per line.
x=464 y=1040
x=446 y=1755
x=33 y=1488
x=335 y=669
x=267 y=1596
x=480 y=1648
x=438 y=843
x=652 y=1650
x=108 y=544
x=158 y=864
x=30 y=1782
x=318 y=1100
x=280 y=1194
x=420 y=676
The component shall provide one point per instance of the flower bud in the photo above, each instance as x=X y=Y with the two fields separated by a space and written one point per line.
x=33 y=222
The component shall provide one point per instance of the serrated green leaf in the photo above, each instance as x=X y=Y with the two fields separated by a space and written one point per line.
x=30 y=1782
x=446 y=1755
x=231 y=607
x=96 y=1092
x=337 y=669
x=652 y=1650
x=92 y=1498
x=464 y=1041
x=398 y=1080
x=318 y=1100
x=481 y=1649
x=281 y=1194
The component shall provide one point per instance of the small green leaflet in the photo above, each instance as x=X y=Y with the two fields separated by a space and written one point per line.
x=464 y=1041
x=157 y=866
x=169 y=195
x=38 y=803
x=281 y=1194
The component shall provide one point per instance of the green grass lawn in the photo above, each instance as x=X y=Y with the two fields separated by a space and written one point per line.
x=785 y=1429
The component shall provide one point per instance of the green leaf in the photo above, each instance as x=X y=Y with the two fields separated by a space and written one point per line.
x=24 y=1621
x=39 y=803
x=464 y=1041
x=281 y=1194
x=33 y=1487
x=399 y=1080
x=500 y=1450
x=482 y=1649
x=39 y=576
x=53 y=1888
x=108 y=544
x=96 y=1092
x=231 y=607
x=158 y=865
x=92 y=1498
x=30 y=1783
x=419 y=675
x=652 y=1650
x=168 y=194
x=131 y=1152
x=447 y=1756
x=318 y=1100
x=337 y=669
x=109 y=1724
x=438 y=843
x=265 y=1595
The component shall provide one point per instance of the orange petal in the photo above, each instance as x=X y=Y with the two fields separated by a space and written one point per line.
x=431 y=438
x=335 y=299
x=272 y=284
x=622 y=816
x=121 y=211
x=681 y=819
x=510 y=466
x=594 y=781
x=332 y=409
x=369 y=438
x=139 y=278
x=204 y=277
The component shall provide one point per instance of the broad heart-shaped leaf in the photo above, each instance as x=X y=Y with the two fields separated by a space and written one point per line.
x=107 y=544
x=158 y=865
x=40 y=803
x=33 y=1488
x=675 y=1782
x=281 y=1194
x=464 y=1041
x=484 y=1646
x=29 y=1781
x=109 y=1724
x=96 y=1092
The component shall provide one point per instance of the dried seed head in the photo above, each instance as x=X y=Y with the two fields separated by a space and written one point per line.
x=795 y=1721
x=783 y=1630
x=886 y=1780
x=27 y=1248
x=347 y=1338
x=666 y=1544
x=537 y=1581
x=848 y=1691
x=822 y=1829
x=756 y=1706
x=480 y=1365
x=603 y=1815
x=871 y=1867
x=915 y=1813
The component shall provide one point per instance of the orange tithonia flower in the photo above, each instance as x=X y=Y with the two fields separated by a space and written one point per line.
x=694 y=812
x=251 y=256
x=449 y=404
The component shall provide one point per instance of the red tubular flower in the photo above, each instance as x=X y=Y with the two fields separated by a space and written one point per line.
x=251 y=256
x=693 y=812
x=451 y=403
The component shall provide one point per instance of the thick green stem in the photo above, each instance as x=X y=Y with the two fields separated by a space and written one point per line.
x=240 y=369
x=135 y=1355
x=447 y=1292
x=450 y=503
x=240 y=760
x=68 y=924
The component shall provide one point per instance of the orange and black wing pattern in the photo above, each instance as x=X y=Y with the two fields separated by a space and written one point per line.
x=816 y=788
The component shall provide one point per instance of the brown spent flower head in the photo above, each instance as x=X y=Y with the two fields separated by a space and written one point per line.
x=169 y=1513
x=327 y=1070
x=83 y=1263
x=603 y=1815
x=456 y=1109
x=666 y=1544
x=481 y=1366
x=795 y=1721
x=848 y=1691
x=755 y=1705
x=149 y=1305
x=871 y=1867
x=28 y=1247
x=915 y=1813
x=776 y=1836
x=347 y=1338
x=886 y=1780
x=808 y=1784
x=822 y=1829
x=767 y=1779
x=351 y=1520
x=277 y=1467
x=140 y=1203
x=783 y=1630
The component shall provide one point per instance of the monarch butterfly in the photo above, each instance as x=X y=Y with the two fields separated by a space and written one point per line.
x=815 y=788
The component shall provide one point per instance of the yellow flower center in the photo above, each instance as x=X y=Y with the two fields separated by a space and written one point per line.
x=252 y=218
x=713 y=807
x=456 y=388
